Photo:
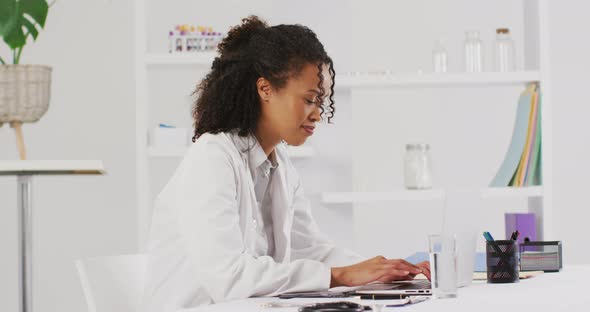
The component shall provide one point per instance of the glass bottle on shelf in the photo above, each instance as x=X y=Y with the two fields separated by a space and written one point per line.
x=417 y=167
x=439 y=57
x=473 y=52
x=503 y=51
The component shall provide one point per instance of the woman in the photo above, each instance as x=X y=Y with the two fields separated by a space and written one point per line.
x=233 y=221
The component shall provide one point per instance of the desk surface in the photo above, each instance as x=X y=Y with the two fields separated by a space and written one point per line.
x=50 y=167
x=567 y=290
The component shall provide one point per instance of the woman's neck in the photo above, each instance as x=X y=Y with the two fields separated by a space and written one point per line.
x=266 y=141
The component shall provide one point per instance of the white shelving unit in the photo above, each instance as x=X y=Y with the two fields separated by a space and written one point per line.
x=430 y=194
x=365 y=197
x=503 y=192
x=537 y=63
x=390 y=80
x=198 y=59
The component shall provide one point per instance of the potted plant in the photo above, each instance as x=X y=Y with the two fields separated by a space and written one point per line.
x=24 y=89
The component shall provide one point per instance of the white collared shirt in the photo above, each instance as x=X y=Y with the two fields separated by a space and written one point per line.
x=262 y=169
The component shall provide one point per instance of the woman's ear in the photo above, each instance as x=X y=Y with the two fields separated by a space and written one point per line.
x=264 y=88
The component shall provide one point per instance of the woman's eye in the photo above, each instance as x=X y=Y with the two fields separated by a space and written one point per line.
x=310 y=102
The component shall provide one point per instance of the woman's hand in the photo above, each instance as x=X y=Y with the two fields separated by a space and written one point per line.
x=377 y=269
x=425 y=267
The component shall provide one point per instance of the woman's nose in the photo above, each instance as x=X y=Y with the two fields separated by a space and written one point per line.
x=316 y=114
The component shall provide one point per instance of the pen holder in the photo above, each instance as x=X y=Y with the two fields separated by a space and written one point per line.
x=502 y=261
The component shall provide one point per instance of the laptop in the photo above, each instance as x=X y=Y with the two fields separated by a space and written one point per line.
x=417 y=287
x=412 y=287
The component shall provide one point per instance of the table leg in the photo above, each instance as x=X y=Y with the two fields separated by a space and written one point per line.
x=25 y=237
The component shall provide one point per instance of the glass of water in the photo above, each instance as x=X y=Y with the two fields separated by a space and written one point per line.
x=443 y=265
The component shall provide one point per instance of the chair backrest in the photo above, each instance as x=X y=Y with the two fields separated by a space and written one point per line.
x=114 y=283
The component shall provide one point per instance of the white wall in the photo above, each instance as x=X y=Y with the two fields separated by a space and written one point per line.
x=91 y=116
x=571 y=136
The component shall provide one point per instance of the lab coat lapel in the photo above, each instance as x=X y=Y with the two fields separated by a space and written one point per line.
x=282 y=213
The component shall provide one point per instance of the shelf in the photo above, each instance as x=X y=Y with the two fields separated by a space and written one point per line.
x=372 y=80
x=431 y=194
x=363 y=197
x=376 y=80
x=294 y=152
x=165 y=151
x=51 y=167
x=197 y=58
x=499 y=192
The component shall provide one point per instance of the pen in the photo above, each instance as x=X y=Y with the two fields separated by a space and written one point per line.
x=383 y=296
x=488 y=236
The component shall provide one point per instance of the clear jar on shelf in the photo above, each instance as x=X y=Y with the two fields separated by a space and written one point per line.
x=439 y=57
x=417 y=167
x=503 y=51
x=473 y=52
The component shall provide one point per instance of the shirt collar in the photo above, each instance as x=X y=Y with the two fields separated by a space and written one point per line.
x=256 y=156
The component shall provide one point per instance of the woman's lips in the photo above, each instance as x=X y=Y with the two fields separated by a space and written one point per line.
x=308 y=129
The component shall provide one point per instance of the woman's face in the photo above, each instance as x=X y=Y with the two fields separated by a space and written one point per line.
x=292 y=111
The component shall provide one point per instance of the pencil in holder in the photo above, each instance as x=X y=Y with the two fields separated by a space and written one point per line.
x=502 y=261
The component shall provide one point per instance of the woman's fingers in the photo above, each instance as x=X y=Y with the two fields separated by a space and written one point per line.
x=406 y=266
x=394 y=277
x=399 y=268
x=378 y=269
x=425 y=266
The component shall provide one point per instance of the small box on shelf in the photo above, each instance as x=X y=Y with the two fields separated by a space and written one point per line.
x=168 y=136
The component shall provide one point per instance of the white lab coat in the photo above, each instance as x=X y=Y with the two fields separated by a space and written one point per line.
x=205 y=229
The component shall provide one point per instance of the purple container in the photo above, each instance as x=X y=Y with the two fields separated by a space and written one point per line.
x=525 y=223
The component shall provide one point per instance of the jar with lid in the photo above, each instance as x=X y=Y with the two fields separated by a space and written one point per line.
x=417 y=167
x=503 y=52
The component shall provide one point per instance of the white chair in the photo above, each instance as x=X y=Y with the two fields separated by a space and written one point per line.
x=113 y=284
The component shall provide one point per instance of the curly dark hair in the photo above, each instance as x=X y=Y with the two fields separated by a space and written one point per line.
x=227 y=98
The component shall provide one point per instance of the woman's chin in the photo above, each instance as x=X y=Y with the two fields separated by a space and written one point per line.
x=296 y=141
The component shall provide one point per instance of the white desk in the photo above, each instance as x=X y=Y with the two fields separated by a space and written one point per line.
x=24 y=170
x=567 y=290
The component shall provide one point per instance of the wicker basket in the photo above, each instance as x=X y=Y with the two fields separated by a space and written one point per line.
x=24 y=92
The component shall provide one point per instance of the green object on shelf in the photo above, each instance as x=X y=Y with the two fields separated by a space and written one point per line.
x=535 y=175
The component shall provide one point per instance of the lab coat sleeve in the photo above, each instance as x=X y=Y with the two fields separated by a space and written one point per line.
x=210 y=226
x=307 y=240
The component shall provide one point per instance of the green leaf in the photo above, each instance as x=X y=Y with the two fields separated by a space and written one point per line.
x=8 y=16
x=37 y=9
x=25 y=14
x=15 y=38
x=31 y=28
